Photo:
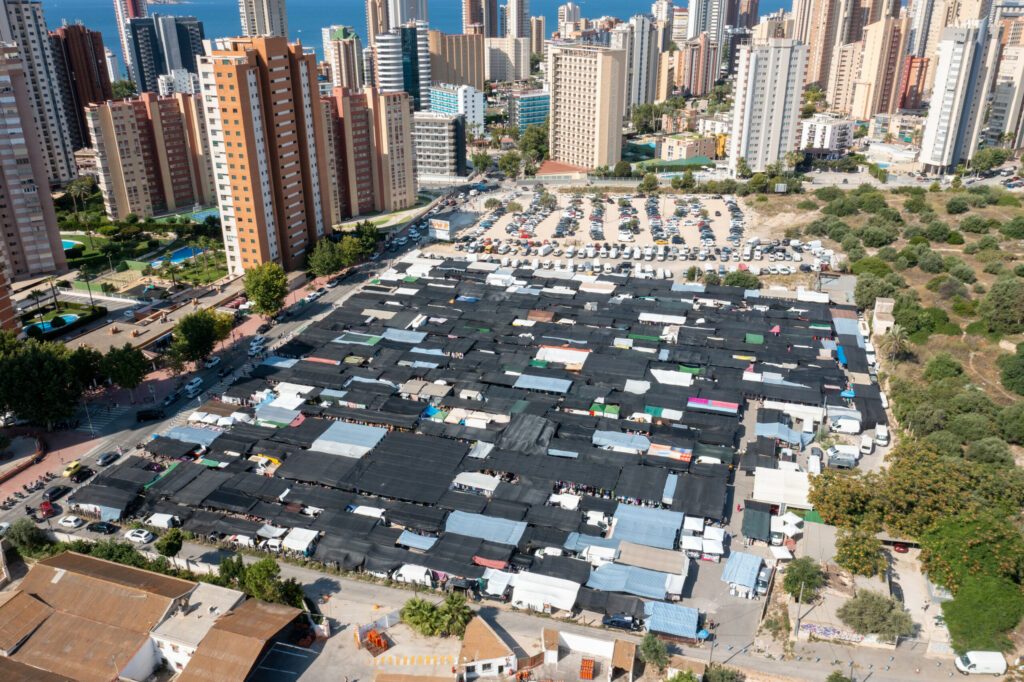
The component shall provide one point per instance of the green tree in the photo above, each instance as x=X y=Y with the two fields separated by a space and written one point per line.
x=716 y=672
x=870 y=287
x=196 y=335
x=712 y=279
x=649 y=184
x=870 y=613
x=1002 y=308
x=844 y=499
x=683 y=676
x=169 y=544
x=622 y=169
x=803 y=576
x=454 y=615
x=743 y=279
x=422 y=616
x=743 y=169
x=990 y=450
x=1011 y=423
x=266 y=286
x=971 y=543
x=984 y=610
x=509 y=164
x=351 y=251
x=492 y=203
x=325 y=259
x=123 y=89
x=514 y=207
x=1011 y=370
x=534 y=142
x=942 y=366
x=859 y=551
x=125 y=366
x=262 y=580
x=86 y=366
x=38 y=383
x=25 y=536
x=837 y=676
x=895 y=343
x=653 y=652
x=481 y=161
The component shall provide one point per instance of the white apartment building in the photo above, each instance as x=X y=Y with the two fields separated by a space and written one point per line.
x=585 y=120
x=464 y=100
x=827 y=131
x=178 y=81
x=263 y=17
x=946 y=139
x=569 y=13
x=766 y=104
x=439 y=147
x=123 y=11
x=23 y=23
x=638 y=39
x=1007 y=103
x=517 y=19
x=402 y=63
x=717 y=124
x=401 y=12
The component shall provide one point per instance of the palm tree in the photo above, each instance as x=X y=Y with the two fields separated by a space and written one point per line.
x=421 y=616
x=455 y=615
x=77 y=190
x=895 y=343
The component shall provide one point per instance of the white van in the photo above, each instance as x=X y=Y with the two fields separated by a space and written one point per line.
x=850 y=426
x=881 y=435
x=981 y=663
x=867 y=444
x=165 y=521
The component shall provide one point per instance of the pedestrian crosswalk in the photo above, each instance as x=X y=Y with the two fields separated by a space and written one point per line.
x=414 y=660
x=98 y=417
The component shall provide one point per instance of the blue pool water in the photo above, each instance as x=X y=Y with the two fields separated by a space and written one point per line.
x=200 y=216
x=69 y=244
x=45 y=326
x=179 y=256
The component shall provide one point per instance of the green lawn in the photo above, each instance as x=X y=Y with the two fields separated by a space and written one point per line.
x=200 y=271
x=91 y=243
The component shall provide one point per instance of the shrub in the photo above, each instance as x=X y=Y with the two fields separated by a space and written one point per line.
x=994 y=268
x=840 y=207
x=971 y=427
x=872 y=613
x=830 y=193
x=955 y=238
x=974 y=224
x=802 y=580
x=931 y=262
x=990 y=450
x=872 y=264
x=807 y=205
x=964 y=307
x=937 y=231
x=964 y=273
x=1014 y=229
x=942 y=366
x=887 y=253
x=1011 y=423
x=957 y=204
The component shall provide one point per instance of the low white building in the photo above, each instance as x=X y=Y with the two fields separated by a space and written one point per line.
x=484 y=653
x=178 y=636
x=178 y=81
x=827 y=132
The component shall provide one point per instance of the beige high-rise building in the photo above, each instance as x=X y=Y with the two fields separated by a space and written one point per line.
x=666 y=83
x=587 y=101
x=149 y=155
x=801 y=14
x=538 y=33
x=377 y=20
x=343 y=50
x=391 y=113
x=507 y=59
x=822 y=40
x=266 y=133
x=263 y=18
x=31 y=245
x=457 y=59
x=844 y=69
x=22 y=22
x=517 y=18
x=876 y=88
x=356 y=174
x=480 y=17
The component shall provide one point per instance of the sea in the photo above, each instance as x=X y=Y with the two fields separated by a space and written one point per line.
x=306 y=17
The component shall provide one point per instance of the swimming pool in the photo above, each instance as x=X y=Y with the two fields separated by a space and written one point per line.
x=46 y=326
x=69 y=243
x=178 y=256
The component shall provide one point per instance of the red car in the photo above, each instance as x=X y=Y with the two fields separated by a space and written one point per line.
x=900 y=548
x=46 y=510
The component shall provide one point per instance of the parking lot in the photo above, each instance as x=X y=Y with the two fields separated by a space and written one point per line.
x=623 y=233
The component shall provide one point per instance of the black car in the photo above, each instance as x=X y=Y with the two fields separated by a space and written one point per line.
x=81 y=475
x=264 y=328
x=149 y=415
x=103 y=528
x=56 y=492
x=621 y=621
x=107 y=458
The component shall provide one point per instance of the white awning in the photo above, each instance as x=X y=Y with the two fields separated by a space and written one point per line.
x=537 y=592
x=694 y=524
x=299 y=539
x=477 y=481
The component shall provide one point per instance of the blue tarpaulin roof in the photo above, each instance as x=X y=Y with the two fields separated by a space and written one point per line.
x=414 y=541
x=645 y=526
x=617 y=439
x=672 y=619
x=533 y=382
x=491 y=528
x=783 y=433
x=629 y=579
x=742 y=569
x=190 y=434
x=404 y=335
x=577 y=542
x=841 y=355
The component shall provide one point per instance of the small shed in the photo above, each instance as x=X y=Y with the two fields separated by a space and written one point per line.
x=484 y=653
x=301 y=540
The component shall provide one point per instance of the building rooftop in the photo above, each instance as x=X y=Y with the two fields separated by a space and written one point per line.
x=482 y=643
x=190 y=624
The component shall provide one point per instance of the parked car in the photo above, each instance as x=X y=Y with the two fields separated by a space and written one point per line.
x=139 y=536
x=45 y=511
x=81 y=475
x=212 y=362
x=193 y=384
x=102 y=527
x=71 y=468
x=71 y=521
x=149 y=415
x=621 y=621
x=56 y=492
x=107 y=458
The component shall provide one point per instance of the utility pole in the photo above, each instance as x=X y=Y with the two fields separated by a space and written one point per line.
x=711 y=652
x=799 y=602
